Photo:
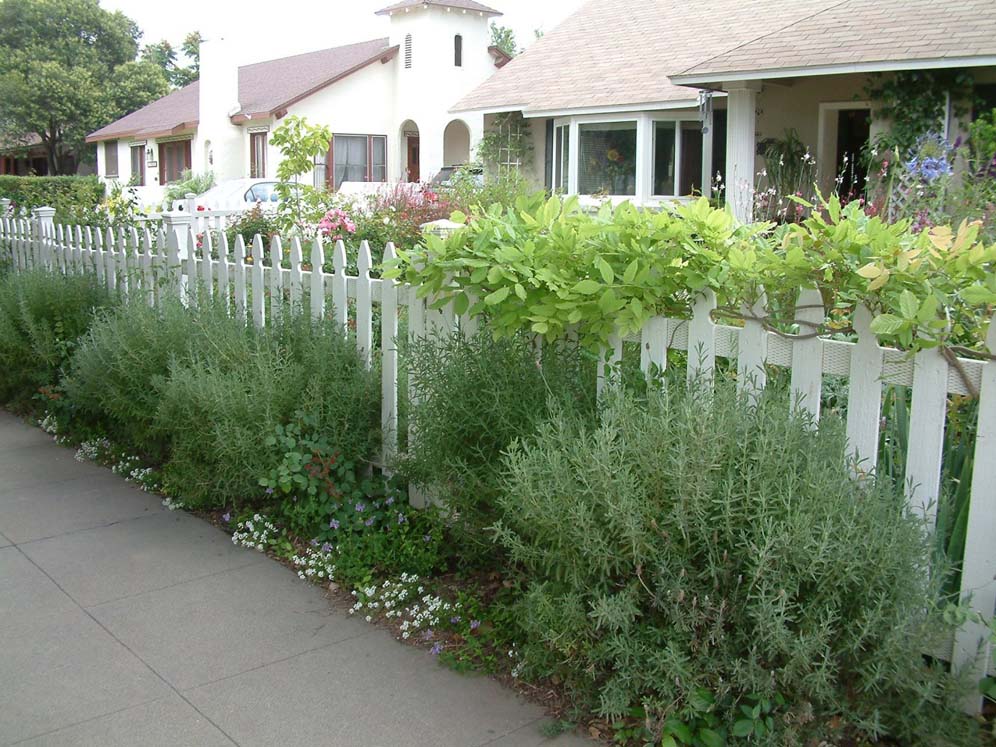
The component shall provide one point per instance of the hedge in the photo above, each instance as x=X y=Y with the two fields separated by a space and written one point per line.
x=66 y=194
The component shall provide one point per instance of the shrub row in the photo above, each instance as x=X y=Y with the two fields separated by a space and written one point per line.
x=67 y=194
x=701 y=568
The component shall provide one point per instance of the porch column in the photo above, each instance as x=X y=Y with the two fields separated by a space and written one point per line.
x=741 y=107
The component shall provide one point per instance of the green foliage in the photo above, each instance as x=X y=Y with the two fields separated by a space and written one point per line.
x=62 y=80
x=551 y=268
x=692 y=544
x=504 y=38
x=67 y=194
x=189 y=183
x=41 y=318
x=300 y=144
x=507 y=145
x=475 y=397
x=914 y=103
x=248 y=224
x=121 y=366
x=220 y=405
x=982 y=137
x=162 y=55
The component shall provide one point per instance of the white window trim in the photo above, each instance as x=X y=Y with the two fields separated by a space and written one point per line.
x=645 y=154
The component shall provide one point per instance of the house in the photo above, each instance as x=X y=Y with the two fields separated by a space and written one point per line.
x=651 y=100
x=386 y=100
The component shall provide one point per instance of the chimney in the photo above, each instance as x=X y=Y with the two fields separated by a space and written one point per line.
x=219 y=140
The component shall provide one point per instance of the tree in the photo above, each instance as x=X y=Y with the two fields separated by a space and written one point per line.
x=68 y=67
x=165 y=57
x=504 y=38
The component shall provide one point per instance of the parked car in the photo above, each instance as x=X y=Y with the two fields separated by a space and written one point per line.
x=236 y=193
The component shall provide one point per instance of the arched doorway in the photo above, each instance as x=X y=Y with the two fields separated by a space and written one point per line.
x=410 y=152
x=456 y=143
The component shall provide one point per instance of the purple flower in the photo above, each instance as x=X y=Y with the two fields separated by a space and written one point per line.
x=401 y=519
x=360 y=507
x=428 y=635
x=475 y=624
x=455 y=619
x=389 y=501
x=326 y=547
x=269 y=491
x=436 y=649
x=369 y=522
x=334 y=524
x=314 y=543
x=226 y=517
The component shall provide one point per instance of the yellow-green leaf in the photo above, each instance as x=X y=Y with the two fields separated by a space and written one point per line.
x=498 y=296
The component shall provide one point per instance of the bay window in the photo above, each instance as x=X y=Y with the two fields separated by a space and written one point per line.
x=358 y=158
x=607 y=163
x=642 y=155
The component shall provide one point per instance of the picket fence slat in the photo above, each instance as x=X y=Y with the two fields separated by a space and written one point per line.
x=154 y=265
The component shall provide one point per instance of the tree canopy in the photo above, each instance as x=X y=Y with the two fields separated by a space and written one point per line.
x=68 y=67
x=165 y=57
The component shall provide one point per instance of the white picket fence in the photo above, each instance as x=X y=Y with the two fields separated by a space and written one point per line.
x=147 y=265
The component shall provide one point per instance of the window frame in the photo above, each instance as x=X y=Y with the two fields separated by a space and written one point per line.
x=111 y=146
x=255 y=172
x=330 y=176
x=645 y=149
x=140 y=147
x=458 y=50
x=164 y=148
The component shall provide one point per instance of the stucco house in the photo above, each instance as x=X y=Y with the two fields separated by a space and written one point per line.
x=387 y=101
x=651 y=100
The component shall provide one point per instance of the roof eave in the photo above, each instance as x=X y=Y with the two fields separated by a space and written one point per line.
x=717 y=78
x=486 y=13
x=178 y=129
x=533 y=113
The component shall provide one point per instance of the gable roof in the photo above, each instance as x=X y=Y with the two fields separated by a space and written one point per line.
x=457 y=4
x=619 y=53
x=886 y=34
x=265 y=89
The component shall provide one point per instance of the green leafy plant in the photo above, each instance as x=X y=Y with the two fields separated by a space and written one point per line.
x=475 y=397
x=189 y=183
x=300 y=143
x=691 y=543
x=42 y=316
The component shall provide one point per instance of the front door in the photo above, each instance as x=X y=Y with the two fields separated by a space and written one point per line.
x=413 y=172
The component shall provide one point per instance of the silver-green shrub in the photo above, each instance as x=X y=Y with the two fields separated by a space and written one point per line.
x=694 y=556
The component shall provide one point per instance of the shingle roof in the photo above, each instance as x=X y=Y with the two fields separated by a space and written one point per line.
x=615 y=52
x=264 y=88
x=459 y=4
x=857 y=31
x=620 y=53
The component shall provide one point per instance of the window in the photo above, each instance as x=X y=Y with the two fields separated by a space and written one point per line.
x=111 y=158
x=458 y=50
x=677 y=158
x=408 y=51
x=174 y=159
x=257 y=155
x=358 y=158
x=138 y=165
x=607 y=163
x=262 y=192
x=562 y=157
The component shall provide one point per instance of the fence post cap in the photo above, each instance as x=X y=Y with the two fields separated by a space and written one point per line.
x=44 y=212
x=177 y=218
x=5 y=201
x=190 y=196
x=442 y=227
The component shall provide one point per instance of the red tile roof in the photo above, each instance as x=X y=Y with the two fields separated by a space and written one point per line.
x=265 y=89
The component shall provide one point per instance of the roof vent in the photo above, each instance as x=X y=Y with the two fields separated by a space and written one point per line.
x=408 y=51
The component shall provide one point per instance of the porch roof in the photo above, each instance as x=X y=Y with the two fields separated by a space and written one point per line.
x=859 y=36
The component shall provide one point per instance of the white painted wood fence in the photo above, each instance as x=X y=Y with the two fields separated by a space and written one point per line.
x=147 y=265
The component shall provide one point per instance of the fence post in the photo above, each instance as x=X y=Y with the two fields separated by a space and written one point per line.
x=177 y=231
x=7 y=244
x=44 y=228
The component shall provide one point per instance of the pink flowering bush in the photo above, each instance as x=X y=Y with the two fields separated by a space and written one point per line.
x=335 y=224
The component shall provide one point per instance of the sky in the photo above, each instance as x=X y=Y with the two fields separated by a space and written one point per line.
x=266 y=29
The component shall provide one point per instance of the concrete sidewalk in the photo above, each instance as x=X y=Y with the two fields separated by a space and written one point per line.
x=122 y=623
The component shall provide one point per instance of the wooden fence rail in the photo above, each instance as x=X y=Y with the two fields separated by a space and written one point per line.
x=258 y=282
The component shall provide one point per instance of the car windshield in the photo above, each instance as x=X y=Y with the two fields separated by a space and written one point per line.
x=263 y=192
